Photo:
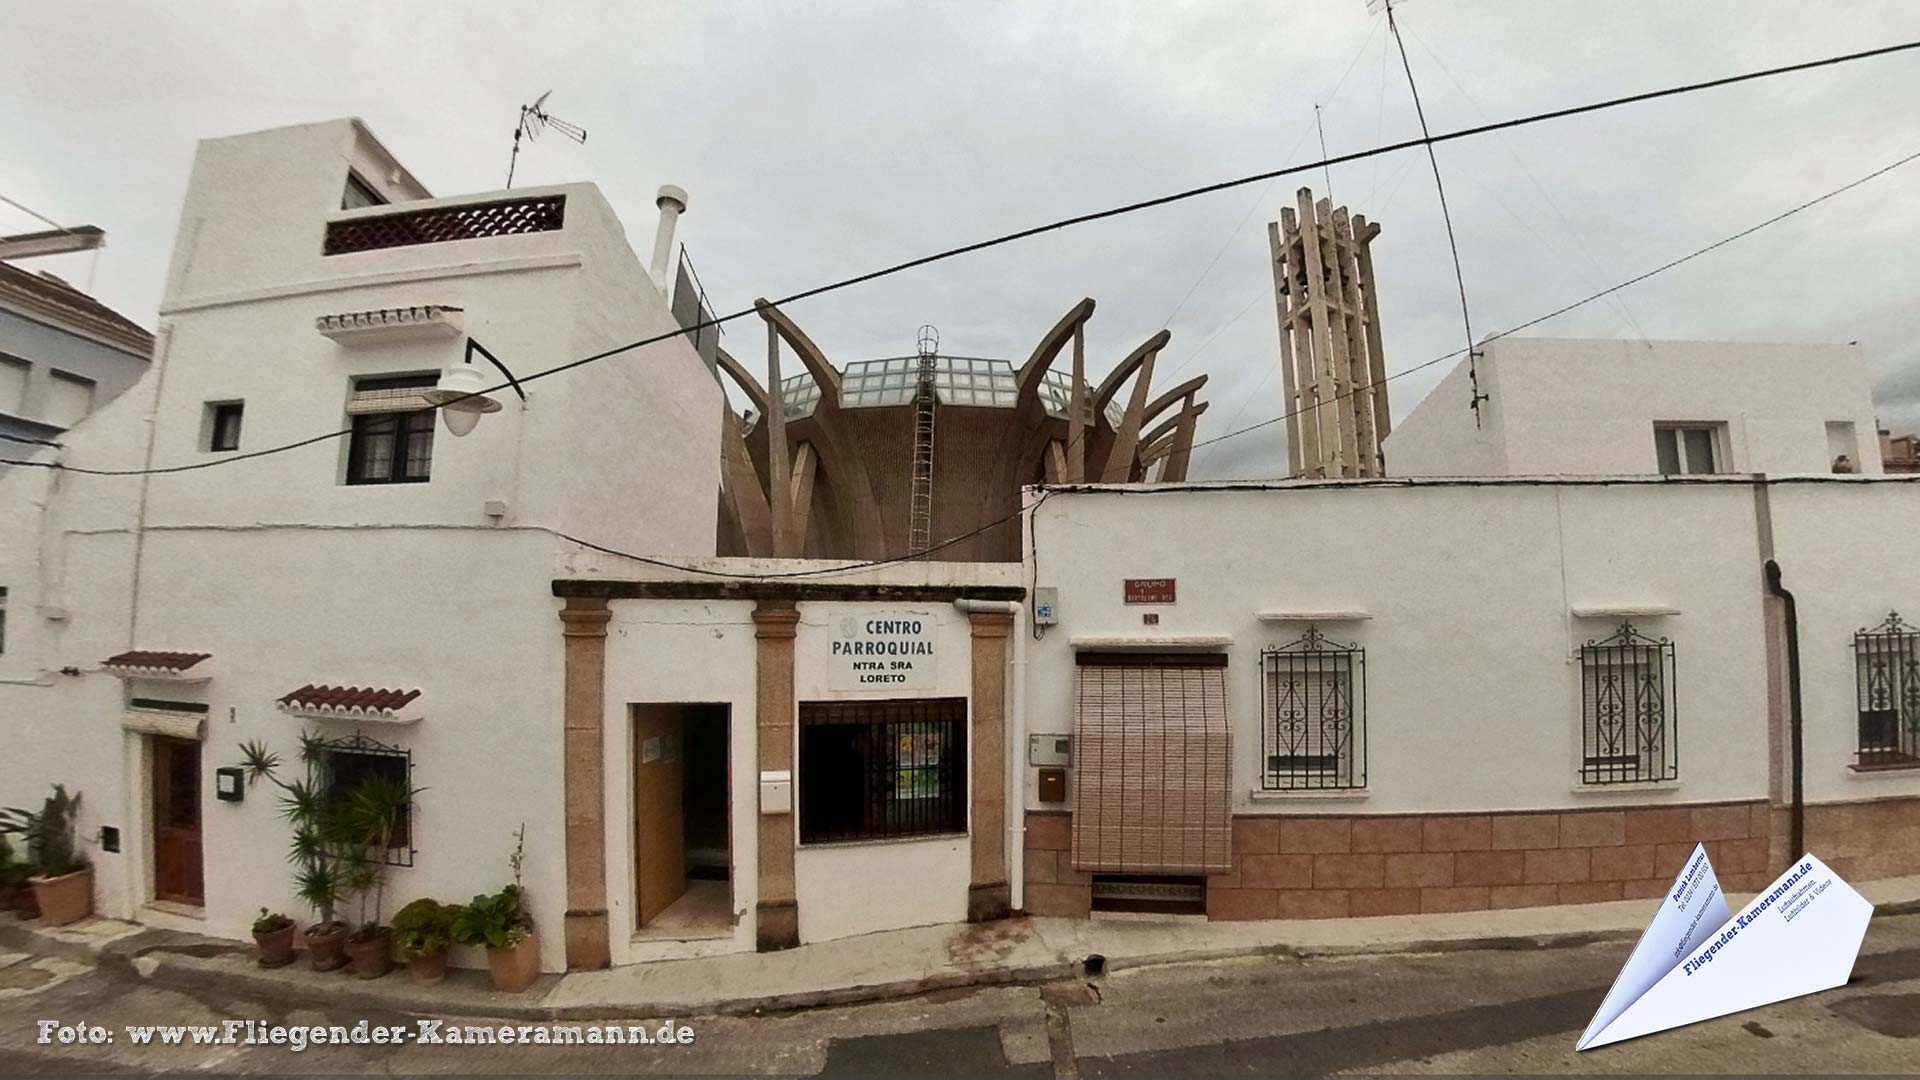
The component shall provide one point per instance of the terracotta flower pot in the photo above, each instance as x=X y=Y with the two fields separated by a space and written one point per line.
x=326 y=946
x=428 y=969
x=64 y=899
x=372 y=957
x=276 y=946
x=515 y=967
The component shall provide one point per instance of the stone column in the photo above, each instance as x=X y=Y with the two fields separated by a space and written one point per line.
x=584 y=629
x=988 y=897
x=777 y=915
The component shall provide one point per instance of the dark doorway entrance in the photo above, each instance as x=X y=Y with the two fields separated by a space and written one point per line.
x=177 y=861
x=683 y=858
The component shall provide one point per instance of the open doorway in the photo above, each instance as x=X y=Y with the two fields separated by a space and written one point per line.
x=683 y=851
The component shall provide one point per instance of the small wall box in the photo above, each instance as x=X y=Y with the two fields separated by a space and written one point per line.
x=1053 y=785
x=1050 y=750
x=229 y=784
x=776 y=792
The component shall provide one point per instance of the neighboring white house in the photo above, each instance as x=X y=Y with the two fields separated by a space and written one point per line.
x=1567 y=407
x=63 y=354
x=316 y=291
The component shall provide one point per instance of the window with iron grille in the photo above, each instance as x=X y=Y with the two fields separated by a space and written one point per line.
x=1313 y=735
x=347 y=763
x=1887 y=677
x=874 y=770
x=1629 y=729
x=392 y=431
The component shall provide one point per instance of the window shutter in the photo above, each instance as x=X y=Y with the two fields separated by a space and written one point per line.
x=1152 y=766
x=388 y=400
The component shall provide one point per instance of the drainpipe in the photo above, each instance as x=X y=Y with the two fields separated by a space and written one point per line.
x=1798 y=811
x=1016 y=738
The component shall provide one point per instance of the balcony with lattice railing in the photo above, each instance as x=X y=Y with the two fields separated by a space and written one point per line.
x=442 y=224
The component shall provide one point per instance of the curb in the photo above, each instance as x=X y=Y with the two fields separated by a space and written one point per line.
x=154 y=956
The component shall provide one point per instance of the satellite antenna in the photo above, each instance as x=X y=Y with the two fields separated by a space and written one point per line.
x=535 y=119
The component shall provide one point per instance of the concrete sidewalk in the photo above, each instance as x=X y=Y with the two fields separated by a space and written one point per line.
x=872 y=967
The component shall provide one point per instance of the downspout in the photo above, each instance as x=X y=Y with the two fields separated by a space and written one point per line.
x=1016 y=738
x=1797 y=811
x=163 y=345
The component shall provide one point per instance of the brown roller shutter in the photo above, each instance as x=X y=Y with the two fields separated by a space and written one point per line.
x=1152 y=757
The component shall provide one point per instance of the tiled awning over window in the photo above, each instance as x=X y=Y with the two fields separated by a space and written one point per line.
x=157 y=664
x=352 y=703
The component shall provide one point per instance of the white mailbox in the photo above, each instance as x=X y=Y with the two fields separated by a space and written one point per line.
x=776 y=791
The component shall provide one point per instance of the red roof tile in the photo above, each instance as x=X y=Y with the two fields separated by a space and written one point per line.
x=347 y=699
x=152 y=659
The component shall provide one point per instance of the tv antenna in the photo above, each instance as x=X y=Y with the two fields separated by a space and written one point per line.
x=535 y=119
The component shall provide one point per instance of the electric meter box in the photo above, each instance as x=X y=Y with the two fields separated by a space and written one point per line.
x=1050 y=750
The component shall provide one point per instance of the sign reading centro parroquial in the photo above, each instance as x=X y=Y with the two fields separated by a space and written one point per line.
x=1697 y=961
x=884 y=649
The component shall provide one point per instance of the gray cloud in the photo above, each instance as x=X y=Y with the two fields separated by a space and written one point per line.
x=823 y=140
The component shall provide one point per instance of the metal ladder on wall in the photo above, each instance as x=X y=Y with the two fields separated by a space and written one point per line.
x=920 y=500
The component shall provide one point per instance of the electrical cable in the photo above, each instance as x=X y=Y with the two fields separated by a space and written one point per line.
x=1559 y=311
x=850 y=567
x=1427 y=140
x=1446 y=217
x=1389 y=481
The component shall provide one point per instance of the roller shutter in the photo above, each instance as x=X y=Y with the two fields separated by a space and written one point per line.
x=1152 y=764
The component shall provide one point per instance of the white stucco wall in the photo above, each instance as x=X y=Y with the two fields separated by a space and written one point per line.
x=661 y=651
x=1472 y=674
x=1588 y=407
x=856 y=888
x=1842 y=555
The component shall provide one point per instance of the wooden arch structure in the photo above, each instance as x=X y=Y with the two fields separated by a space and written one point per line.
x=831 y=482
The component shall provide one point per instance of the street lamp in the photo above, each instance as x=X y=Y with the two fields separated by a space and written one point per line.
x=459 y=393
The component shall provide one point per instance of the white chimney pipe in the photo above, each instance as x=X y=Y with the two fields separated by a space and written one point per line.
x=672 y=203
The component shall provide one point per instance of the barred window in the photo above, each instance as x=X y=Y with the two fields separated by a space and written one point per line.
x=1313 y=695
x=1887 y=679
x=872 y=770
x=1629 y=729
x=345 y=764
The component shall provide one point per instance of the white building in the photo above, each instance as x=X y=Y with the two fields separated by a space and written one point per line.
x=317 y=288
x=1310 y=698
x=1621 y=408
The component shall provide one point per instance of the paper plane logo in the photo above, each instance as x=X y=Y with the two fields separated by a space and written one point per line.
x=1697 y=960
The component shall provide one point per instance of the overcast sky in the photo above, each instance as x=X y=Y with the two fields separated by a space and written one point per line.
x=820 y=140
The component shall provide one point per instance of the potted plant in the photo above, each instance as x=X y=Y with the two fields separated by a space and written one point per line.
x=13 y=878
x=502 y=924
x=63 y=884
x=366 y=823
x=423 y=930
x=273 y=933
x=339 y=844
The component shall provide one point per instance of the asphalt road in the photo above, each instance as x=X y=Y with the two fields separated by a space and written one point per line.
x=1502 y=1011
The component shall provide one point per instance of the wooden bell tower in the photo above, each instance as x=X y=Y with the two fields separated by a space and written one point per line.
x=1332 y=368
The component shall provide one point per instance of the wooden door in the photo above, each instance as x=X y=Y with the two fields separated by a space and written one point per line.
x=659 y=830
x=177 y=870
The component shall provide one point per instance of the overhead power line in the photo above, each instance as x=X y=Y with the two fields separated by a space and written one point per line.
x=1590 y=298
x=1022 y=234
x=998 y=522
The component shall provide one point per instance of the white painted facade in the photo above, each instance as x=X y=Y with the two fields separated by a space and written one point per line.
x=1472 y=603
x=1560 y=407
x=287 y=575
